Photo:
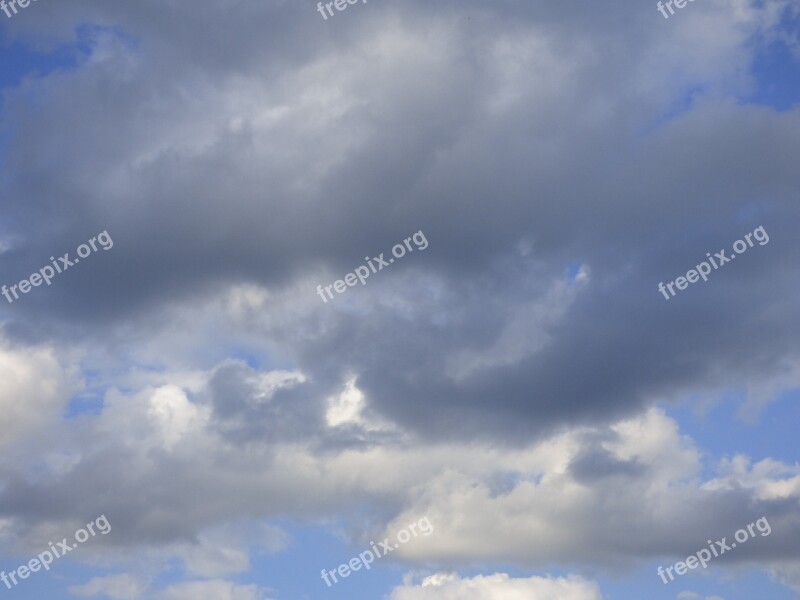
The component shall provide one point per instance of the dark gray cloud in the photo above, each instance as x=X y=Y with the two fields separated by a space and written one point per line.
x=269 y=158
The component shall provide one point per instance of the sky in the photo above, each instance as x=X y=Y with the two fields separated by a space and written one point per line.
x=282 y=284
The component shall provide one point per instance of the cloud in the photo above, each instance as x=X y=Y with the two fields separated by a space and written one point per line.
x=607 y=496
x=787 y=573
x=211 y=590
x=128 y=587
x=116 y=587
x=499 y=586
x=34 y=389
x=695 y=596
x=479 y=336
x=226 y=551
x=503 y=382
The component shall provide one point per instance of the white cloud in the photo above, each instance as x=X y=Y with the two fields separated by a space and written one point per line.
x=559 y=500
x=117 y=587
x=153 y=418
x=566 y=494
x=226 y=551
x=786 y=573
x=346 y=407
x=34 y=389
x=498 y=587
x=687 y=595
x=351 y=408
x=174 y=414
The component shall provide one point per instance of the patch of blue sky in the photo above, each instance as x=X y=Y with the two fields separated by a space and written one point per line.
x=573 y=270
x=21 y=60
x=777 y=68
x=83 y=404
x=296 y=572
x=722 y=431
x=754 y=211
x=28 y=57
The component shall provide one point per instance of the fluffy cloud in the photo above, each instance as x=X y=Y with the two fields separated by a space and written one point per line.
x=116 y=587
x=607 y=496
x=498 y=587
x=34 y=390
x=576 y=496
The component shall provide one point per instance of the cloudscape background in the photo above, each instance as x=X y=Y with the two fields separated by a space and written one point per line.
x=521 y=382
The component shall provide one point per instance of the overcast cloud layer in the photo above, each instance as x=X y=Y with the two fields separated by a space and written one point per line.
x=520 y=381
